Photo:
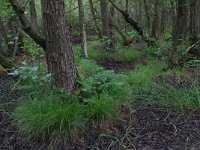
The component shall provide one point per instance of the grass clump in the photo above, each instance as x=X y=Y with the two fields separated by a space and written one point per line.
x=49 y=118
x=180 y=99
x=141 y=76
x=102 y=107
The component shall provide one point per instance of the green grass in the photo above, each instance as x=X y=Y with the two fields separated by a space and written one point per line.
x=164 y=95
x=102 y=107
x=141 y=76
x=96 y=52
x=126 y=55
x=50 y=114
x=49 y=118
x=176 y=73
x=88 y=68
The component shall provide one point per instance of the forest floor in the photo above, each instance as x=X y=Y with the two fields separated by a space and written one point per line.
x=144 y=128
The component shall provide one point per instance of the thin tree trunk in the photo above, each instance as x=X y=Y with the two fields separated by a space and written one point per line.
x=82 y=28
x=155 y=24
x=60 y=59
x=147 y=16
x=1 y=35
x=94 y=19
x=33 y=14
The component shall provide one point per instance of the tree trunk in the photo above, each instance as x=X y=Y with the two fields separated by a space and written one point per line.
x=163 y=19
x=155 y=24
x=82 y=28
x=147 y=16
x=105 y=18
x=94 y=19
x=33 y=14
x=194 y=30
x=1 y=36
x=60 y=59
x=181 y=26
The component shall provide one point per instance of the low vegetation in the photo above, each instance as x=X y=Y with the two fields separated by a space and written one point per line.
x=49 y=114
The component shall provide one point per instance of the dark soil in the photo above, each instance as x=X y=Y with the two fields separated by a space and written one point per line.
x=141 y=129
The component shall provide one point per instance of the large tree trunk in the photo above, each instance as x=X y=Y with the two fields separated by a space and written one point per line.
x=60 y=59
x=82 y=27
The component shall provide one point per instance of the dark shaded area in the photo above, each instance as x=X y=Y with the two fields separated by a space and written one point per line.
x=117 y=66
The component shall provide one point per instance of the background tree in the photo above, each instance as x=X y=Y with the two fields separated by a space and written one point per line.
x=82 y=28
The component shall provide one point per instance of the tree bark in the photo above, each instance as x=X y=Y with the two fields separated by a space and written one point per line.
x=147 y=16
x=105 y=18
x=181 y=26
x=60 y=59
x=194 y=30
x=82 y=28
x=27 y=27
x=1 y=36
x=33 y=14
x=94 y=19
x=155 y=24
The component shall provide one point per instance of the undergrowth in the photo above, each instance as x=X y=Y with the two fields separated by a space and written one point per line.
x=50 y=114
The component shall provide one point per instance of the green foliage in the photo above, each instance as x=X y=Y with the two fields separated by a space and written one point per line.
x=102 y=107
x=106 y=81
x=127 y=55
x=180 y=99
x=141 y=76
x=175 y=73
x=87 y=68
x=50 y=118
